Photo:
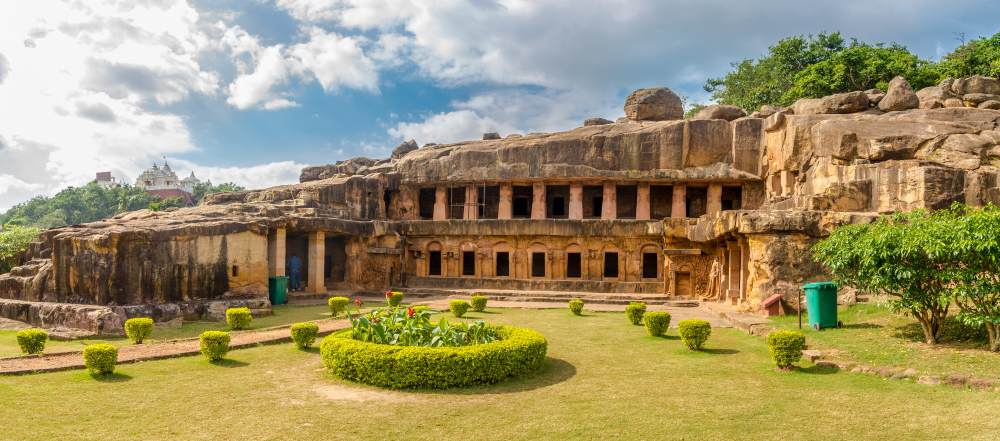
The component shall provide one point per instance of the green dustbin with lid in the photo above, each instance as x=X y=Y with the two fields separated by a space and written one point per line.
x=821 y=302
x=277 y=290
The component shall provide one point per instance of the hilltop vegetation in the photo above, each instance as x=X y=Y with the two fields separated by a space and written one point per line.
x=91 y=202
x=815 y=66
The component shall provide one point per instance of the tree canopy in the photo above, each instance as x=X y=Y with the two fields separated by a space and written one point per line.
x=14 y=240
x=925 y=262
x=814 y=66
x=92 y=202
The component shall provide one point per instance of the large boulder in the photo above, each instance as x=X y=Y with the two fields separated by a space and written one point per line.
x=975 y=84
x=933 y=97
x=848 y=102
x=404 y=148
x=596 y=122
x=654 y=104
x=899 y=96
x=720 y=111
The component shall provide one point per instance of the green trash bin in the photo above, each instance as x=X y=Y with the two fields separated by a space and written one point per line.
x=821 y=302
x=277 y=290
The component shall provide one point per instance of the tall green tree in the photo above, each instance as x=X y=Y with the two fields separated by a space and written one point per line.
x=967 y=241
x=815 y=66
x=205 y=188
x=890 y=257
x=861 y=66
x=753 y=83
x=980 y=56
x=14 y=240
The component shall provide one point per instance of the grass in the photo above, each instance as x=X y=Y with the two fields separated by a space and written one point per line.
x=604 y=379
x=282 y=315
x=875 y=336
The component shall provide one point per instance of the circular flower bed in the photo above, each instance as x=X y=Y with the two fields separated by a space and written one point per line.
x=519 y=350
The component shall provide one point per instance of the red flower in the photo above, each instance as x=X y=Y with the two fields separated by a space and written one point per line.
x=410 y=312
x=388 y=294
x=357 y=301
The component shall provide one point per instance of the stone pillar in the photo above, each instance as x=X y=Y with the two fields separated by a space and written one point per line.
x=576 y=201
x=506 y=207
x=787 y=183
x=276 y=252
x=744 y=269
x=316 y=282
x=609 y=207
x=471 y=202
x=735 y=266
x=714 y=205
x=538 y=200
x=678 y=208
x=441 y=203
x=642 y=201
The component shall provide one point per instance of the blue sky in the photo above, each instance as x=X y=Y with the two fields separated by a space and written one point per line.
x=251 y=91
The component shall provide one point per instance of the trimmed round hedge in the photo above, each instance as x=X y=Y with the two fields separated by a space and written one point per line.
x=32 y=340
x=519 y=350
x=137 y=329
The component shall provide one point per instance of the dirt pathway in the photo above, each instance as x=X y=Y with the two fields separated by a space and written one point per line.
x=153 y=351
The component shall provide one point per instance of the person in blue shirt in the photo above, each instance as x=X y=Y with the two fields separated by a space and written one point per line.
x=295 y=272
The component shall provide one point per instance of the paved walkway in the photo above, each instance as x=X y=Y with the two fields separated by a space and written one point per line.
x=153 y=351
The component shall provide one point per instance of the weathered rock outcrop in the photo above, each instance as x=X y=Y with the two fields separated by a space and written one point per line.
x=656 y=104
x=720 y=111
x=899 y=96
x=789 y=178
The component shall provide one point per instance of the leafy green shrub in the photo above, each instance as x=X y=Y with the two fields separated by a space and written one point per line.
x=786 y=347
x=694 y=333
x=100 y=358
x=458 y=307
x=32 y=340
x=634 y=311
x=576 y=306
x=407 y=327
x=519 y=350
x=239 y=318
x=337 y=305
x=479 y=303
x=394 y=298
x=214 y=344
x=304 y=334
x=656 y=323
x=421 y=308
x=137 y=329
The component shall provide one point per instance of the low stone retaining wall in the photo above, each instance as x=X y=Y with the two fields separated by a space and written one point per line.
x=110 y=320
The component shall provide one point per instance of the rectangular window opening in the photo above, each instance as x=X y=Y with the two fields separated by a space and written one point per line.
x=503 y=264
x=611 y=265
x=593 y=201
x=649 y=266
x=573 y=265
x=426 y=202
x=521 y=206
x=434 y=265
x=557 y=197
x=626 y=200
x=537 y=264
x=468 y=263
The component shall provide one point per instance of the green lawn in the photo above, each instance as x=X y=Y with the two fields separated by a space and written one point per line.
x=875 y=336
x=605 y=379
x=282 y=315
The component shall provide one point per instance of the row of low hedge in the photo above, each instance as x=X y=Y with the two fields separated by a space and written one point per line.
x=519 y=350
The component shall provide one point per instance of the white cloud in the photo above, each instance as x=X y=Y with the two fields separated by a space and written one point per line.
x=448 y=127
x=335 y=61
x=257 y=88
x=332 y=60
x=257 y=176
x=83 y=89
